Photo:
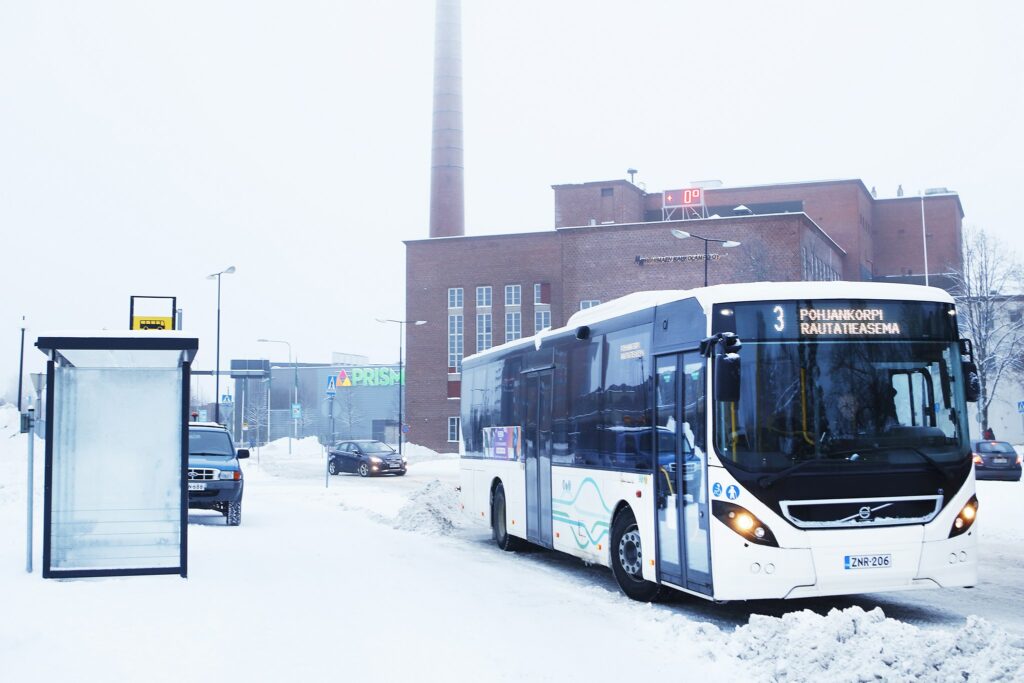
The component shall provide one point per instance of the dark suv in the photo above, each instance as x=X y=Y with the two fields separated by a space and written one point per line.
x=995 y=460
x=214 y=475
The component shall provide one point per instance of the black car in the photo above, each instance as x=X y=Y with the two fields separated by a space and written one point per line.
x=995 y=460
x=365 y=457
x=214 y=475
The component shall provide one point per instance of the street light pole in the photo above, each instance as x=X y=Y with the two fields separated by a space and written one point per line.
x=295 y=365
x=216 y=391
x=682 y=234
x=21 y=362
x=401 y=330
x=924 y=241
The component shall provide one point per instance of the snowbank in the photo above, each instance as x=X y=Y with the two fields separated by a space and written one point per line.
x=854 y=645
x=415 y=452
x=432 y=509
x=307 y=458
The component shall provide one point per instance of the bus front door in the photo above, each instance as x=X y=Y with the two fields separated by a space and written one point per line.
x=684 y=552
x=537 y=451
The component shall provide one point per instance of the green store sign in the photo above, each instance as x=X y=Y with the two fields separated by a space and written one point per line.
x=370 y=377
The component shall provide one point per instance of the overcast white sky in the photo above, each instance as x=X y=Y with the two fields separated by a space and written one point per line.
x=145 y=145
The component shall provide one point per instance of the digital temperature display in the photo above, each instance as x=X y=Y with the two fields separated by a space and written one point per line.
x=691 y=196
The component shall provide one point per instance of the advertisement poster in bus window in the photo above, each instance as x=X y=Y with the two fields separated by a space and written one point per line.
x=502 y=443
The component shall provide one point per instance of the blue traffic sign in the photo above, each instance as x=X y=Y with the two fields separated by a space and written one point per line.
x=1020 y=406
x=332 y=386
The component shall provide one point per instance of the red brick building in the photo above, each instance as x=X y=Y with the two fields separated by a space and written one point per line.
x=612 y=238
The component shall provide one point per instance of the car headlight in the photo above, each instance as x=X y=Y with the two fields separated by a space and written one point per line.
x=744 y=523
x=966 y=518
x=230 y=474
x=375 y=460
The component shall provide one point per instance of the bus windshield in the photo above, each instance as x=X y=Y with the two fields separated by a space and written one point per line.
x=843 y=402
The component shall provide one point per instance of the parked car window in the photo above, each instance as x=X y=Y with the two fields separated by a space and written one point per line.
x=995 y=447
x=376 y=447
x=209 y=442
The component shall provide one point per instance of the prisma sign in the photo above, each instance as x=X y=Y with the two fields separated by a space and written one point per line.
x=369 y=377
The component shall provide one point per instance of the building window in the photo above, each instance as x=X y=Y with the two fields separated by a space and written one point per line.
x=483 y=296
x=542 y=293
x=453 y=429
x=513 y=295
x=589 y=303
x=541 y=320
x=537 y=294
x=455 y=297
x=483 y=332
x=513 y=326
x=607 y=191
x=455 y=343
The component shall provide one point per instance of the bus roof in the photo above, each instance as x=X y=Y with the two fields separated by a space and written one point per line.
x=745 y=291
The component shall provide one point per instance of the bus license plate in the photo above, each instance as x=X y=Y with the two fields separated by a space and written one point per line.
x=196 y=486
x=866 y=561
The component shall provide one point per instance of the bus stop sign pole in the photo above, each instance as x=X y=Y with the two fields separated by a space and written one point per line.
x=27 y=427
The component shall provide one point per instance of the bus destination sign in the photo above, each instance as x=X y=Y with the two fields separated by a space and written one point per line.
x=836 y=319
x=846 y=322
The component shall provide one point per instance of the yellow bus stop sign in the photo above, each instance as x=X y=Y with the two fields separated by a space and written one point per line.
x=152 y=322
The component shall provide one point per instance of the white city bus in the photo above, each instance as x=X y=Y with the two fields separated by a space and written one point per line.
x=768 y=440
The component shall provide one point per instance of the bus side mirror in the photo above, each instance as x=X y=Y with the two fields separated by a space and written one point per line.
x=972 y=381
x=727 y=377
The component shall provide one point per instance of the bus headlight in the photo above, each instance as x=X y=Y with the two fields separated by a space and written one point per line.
x=966 y=518
x=744 y=523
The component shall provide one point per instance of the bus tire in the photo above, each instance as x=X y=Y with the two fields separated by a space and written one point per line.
x=627 y=558
x=499 y=522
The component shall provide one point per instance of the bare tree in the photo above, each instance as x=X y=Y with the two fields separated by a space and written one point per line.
x=255 y=418
x=349 y=414
x=989 y=314
x=762 y=269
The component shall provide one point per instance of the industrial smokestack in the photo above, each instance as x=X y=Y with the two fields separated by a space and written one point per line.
x=447 y=212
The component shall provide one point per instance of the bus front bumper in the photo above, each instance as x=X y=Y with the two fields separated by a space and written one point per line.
x=845 y=564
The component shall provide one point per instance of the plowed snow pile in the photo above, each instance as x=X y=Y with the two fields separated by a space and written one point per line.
x=432 y=509
x=854 y=645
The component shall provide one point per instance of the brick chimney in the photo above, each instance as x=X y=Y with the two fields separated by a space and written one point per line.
x=447 y=209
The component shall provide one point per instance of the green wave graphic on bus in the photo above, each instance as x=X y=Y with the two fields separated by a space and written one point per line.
x=595 y=528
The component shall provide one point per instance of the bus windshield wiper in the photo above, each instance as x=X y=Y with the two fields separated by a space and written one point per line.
x=767 y=480
x=932 y=462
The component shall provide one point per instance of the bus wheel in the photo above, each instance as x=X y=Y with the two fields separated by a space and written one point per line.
x=628 y=559
x=499 y=528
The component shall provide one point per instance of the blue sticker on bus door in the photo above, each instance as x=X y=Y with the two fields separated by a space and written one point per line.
x=733 y=492
x=716 y=489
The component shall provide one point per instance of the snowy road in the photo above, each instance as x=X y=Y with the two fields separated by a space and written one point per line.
x=319 y=584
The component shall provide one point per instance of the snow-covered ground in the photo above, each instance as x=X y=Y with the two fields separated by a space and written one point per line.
x=382 y=579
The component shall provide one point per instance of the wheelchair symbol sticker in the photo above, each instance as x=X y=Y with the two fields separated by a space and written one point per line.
x=733 y=492
x=716 y=489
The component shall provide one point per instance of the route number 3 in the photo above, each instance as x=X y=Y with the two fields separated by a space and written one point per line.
x=780 y=318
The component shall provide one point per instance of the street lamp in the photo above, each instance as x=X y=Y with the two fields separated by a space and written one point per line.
x=216 y=391
x=295 y=366
x=401 y=329
x=681 y=234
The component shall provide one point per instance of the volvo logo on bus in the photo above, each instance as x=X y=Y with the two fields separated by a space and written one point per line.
x=864 y=512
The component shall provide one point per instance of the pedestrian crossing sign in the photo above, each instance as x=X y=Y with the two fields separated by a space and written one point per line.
x=332 y=385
